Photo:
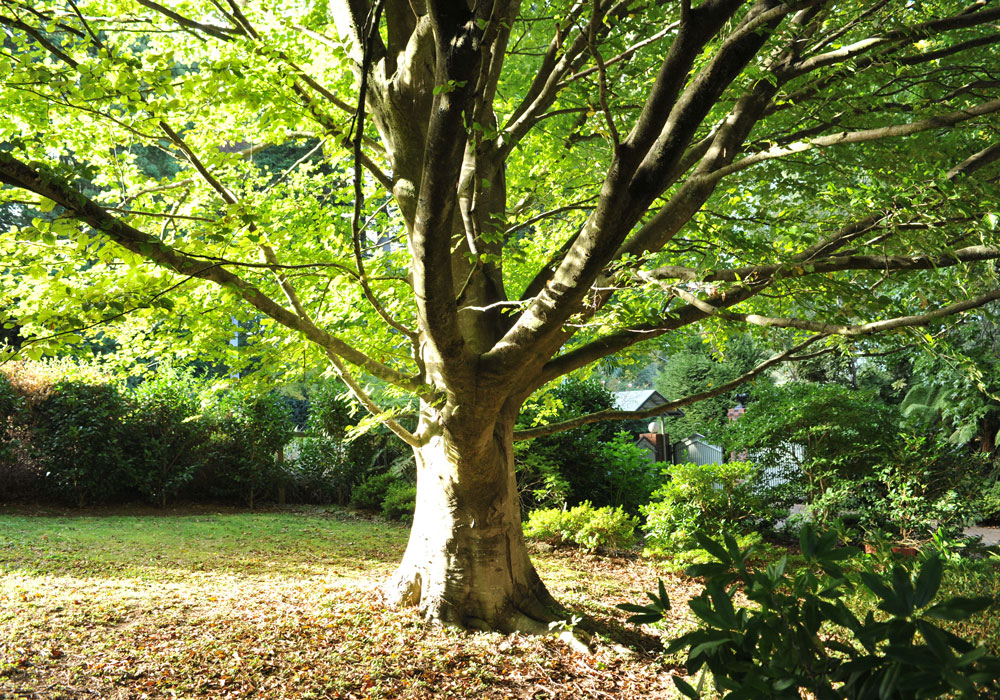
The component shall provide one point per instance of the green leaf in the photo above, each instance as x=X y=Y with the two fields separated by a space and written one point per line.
x=958 y=608
x=928 y=581
x=700 y=649
x=712 y=547
x=685 y=687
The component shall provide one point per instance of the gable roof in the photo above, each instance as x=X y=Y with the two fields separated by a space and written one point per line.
x=642 y=399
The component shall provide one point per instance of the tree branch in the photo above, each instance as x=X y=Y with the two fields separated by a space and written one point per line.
x=851 y=330
x=877 y=134
x=42 y=182
x=754 y=273
x=552 y=428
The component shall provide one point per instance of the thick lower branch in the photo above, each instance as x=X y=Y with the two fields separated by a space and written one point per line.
x=552 y=428
x=18 y=174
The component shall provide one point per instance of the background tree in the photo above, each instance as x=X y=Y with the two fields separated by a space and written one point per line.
x=957 y=384
x=512 y=192
x=699 y=368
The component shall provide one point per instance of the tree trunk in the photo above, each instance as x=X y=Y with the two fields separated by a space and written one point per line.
x=466 y=563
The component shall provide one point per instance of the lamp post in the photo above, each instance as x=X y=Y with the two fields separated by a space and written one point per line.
x=656 y=428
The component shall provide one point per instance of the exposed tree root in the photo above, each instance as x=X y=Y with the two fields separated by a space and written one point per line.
x=534 y=613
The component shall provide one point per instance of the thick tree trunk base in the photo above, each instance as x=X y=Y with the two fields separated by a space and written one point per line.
x=531 y=610
x=466 y=563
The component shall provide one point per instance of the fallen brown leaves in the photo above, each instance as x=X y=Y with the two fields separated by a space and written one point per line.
x=315 y=632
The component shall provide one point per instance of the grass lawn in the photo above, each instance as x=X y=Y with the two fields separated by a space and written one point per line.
x=228 y=604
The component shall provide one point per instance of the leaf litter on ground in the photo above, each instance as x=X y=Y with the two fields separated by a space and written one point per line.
x=226 y=604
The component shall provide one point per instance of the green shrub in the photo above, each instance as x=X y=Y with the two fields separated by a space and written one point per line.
x=570 y=466
x=583 y=525
x=540 y=483
x=798 y=633
x=923 y=486
x=400 y=501
x=18 y=477
x=839 y=432
x=370 y=492
x=316 y=473
x=165 y=432
x=79 y=439
x=712 y=497
x=631 y=476
x=246 y=430
x=347 y=453
x=52 y=445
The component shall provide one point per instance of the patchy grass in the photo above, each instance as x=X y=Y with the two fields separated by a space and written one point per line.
x=282 y=605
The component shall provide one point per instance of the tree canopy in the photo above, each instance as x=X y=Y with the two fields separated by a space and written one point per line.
x=492 y=195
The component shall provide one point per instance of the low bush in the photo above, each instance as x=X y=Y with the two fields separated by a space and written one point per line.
x=400 y=501
x=371 y=491
x=799 y=633
x=20 y=476
x=72 y=433
x=583 y=525
x=711 y=497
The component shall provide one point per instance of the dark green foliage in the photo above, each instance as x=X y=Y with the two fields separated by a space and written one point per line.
x=71 y=433
x=330 y=463
x=842 y=432
x=922 y=486
x=593 y=463
x=631 y=476
x=399 y=501
x=799 y=632
x=21 y=478
x=10 y=404
x=370 y=492
x=80 y=438
x=316 y=473
x=954 y=387
x=247 y=430
x=699 y=367
x=166 y=433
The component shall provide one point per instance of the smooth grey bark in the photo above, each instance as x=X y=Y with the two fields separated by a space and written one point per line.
x=466 y=563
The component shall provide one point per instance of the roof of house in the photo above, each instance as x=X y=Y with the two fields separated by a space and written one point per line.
x=639 y=400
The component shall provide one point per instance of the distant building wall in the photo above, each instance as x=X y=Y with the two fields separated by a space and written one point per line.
x=694 y=449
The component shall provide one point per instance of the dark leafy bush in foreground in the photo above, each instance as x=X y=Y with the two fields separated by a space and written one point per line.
x=800 y=634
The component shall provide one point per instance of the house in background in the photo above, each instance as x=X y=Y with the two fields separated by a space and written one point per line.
x=696 y=450
x=655 y=442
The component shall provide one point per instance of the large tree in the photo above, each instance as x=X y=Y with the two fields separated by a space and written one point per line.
x=493 y=195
